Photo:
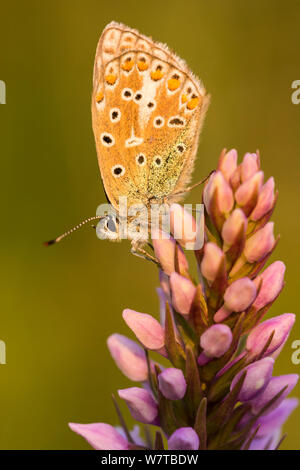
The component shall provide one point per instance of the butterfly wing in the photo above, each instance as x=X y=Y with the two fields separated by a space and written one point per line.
x=147 y=110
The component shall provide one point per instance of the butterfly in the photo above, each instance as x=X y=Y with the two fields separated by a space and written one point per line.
x=147 y=113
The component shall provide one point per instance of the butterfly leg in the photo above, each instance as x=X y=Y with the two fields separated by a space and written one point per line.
x=138 y=250
x=189 y=188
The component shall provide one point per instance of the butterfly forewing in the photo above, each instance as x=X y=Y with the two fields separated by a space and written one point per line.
x=147 y=111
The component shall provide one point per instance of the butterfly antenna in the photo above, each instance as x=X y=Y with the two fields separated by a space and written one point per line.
x=58 y=239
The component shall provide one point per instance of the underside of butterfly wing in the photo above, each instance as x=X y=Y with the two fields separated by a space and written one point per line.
x=147 y=110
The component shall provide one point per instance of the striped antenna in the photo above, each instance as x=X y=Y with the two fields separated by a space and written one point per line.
x=58 y=239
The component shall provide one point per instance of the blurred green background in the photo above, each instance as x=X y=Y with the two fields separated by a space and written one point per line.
x=58 y=305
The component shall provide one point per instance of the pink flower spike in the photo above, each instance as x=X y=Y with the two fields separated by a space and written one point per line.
x=101 y=436
x=216 y=340
x=258 y=337
x=184 y=439
x=275 y=385
x=247 y=194
x=260 y=244
x=172 y=383
x=225 y=200
x=183 y=292
x=146 y=328
x=228 y=163
x=240 y=295
x=265 y=201
x=270 y=282
x=236 y=222
x=129 y=357
x=249 y=166
x=257 y=378
x=212 y=260
x=142 y=406
x=164 y=249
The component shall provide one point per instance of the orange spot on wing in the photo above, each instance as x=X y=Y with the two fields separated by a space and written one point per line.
x=184 y=99
x=193 y=103
x=173 y=84
x=127 y=65
x=111 y=79
x=156 y=75
x=142 y=65
x=99 y=96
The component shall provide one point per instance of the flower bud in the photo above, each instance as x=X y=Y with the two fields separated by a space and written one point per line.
x=257 y=378
x=129 y=357
x=162 y=305
x=265 y=201
x=146 y=328
x=269 y=442
x=249 y=166
x=222 y=314
x=203 y=359
x=270 y=283
x=164 y=249
x=247 y=194
x=172 y=383
x=141 y=404
x=231 y=230
x=235 y=179
x=274 y=420
x=212 y=260
x=185 y=228
x=184 y=439
x=240 y=295
x=259 y=336
x=101 y=436
x=225 y=200
x=164 y=282
x=183 y=292
x=275 y=385
x=260 y=244
x=227 y=163
x=216 y=340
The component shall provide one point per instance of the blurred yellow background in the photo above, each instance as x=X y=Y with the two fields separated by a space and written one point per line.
x=58 y=305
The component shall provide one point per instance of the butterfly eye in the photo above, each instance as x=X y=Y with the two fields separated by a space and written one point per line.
x=141 y=159
x=115 y=115
x=127 y=94
x=159 y=122
x=118 y=170
x=157 y=161
x=107 y=139
x=110 y=224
